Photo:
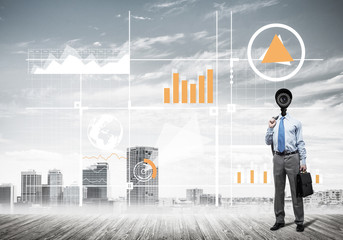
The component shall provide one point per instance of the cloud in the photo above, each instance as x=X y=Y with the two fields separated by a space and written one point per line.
x=25 y=44
x=147 y=43
x=224 y=9
x=199 y=35
x=19 y=52
x=167 y=4
x=325 y=93
x=93 y=27
x=72 y=42
x=97 y=44
x=140 y=18
x=4 y=140
x=45 y=40
x=170 y=7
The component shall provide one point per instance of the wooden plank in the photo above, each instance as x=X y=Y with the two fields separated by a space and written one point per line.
x=166 y=226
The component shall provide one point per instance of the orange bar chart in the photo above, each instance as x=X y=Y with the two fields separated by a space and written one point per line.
x=210 y=85
x=190 y=92
x=252 y=176
x=265 y=177
x=184 y=91
x=193 y=93
x=201 y=89
x=175 y=88
x=317 y=179
x=167 y=95
x=239 y=177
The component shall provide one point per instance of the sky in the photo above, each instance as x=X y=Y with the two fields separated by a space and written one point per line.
x=48 y=139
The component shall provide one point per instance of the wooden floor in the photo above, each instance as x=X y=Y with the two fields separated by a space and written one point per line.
x=165 y=226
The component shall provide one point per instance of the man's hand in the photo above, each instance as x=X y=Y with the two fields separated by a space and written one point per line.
x=303 y=168
x=272 y=123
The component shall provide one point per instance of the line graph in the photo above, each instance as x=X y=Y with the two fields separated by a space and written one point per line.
x=73 y=61
x=104 y=158
x=95 y=181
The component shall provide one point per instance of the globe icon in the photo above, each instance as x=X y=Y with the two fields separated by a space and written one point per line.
x=105 y=132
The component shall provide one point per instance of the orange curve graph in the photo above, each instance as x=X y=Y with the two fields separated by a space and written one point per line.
x=102 y=157
x=154 y=170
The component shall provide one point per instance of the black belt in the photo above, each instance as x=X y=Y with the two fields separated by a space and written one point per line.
x=286 y=153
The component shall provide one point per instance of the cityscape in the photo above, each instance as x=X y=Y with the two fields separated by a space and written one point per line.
x=142 y=189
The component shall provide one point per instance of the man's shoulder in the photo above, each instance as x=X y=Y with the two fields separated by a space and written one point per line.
x=295 y=121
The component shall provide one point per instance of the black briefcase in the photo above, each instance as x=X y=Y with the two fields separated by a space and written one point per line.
x=304 y=184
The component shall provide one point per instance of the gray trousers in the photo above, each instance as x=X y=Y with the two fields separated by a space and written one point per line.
x=287 y=165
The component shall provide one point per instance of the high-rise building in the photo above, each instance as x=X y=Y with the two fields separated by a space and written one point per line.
x=71 y=194
x=210 y=199
x=6 y=195
x=193 y=195
x=31 y=187
x=45 y=195
x=140 y=174
x=95 y=180
x=55 y=182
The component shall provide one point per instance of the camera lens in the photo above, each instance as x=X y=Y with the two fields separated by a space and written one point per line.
x=283 y=99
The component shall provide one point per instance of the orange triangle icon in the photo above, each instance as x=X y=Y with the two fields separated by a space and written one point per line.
x=277 y=52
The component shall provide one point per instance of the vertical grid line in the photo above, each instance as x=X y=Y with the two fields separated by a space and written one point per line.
x=80 y=160
x=217 y=128
x=129 y=103
x=231 y=112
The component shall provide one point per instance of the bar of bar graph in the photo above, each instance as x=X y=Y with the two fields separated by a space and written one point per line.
x=317 y=179
x=239 y=177
x=201 y=89
x=265 y=177
x=184 y=91
x=193 y=93
x=167 y=95
x=190 y=92
x=175 y=87
x=210 y=85
x=252 y=180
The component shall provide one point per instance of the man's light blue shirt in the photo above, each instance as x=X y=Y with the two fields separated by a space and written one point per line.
x=293 y=136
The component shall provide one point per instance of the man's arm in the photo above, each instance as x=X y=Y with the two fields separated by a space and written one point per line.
x=269 y=134
x=301 y=145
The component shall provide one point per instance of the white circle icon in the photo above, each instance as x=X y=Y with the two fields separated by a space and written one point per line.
x=302 y=58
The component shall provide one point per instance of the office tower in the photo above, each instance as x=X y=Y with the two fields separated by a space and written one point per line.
x=71 y=195
x=193 y=195
x=210 y=199
x=55 y=182
x=45 y=195
x=6 y=195
x=95 y=179
x=31 y=187
x=141 y=175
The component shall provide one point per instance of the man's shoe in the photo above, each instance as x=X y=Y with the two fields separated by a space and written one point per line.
x=300 y=228
x=277 y=226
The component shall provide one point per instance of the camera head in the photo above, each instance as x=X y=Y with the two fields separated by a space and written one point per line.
x=283 y=98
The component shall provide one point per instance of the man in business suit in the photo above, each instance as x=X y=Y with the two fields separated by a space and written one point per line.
x=289 y=157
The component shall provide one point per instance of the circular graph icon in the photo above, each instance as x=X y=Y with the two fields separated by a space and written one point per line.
x=142 y=172
x=302 y=58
